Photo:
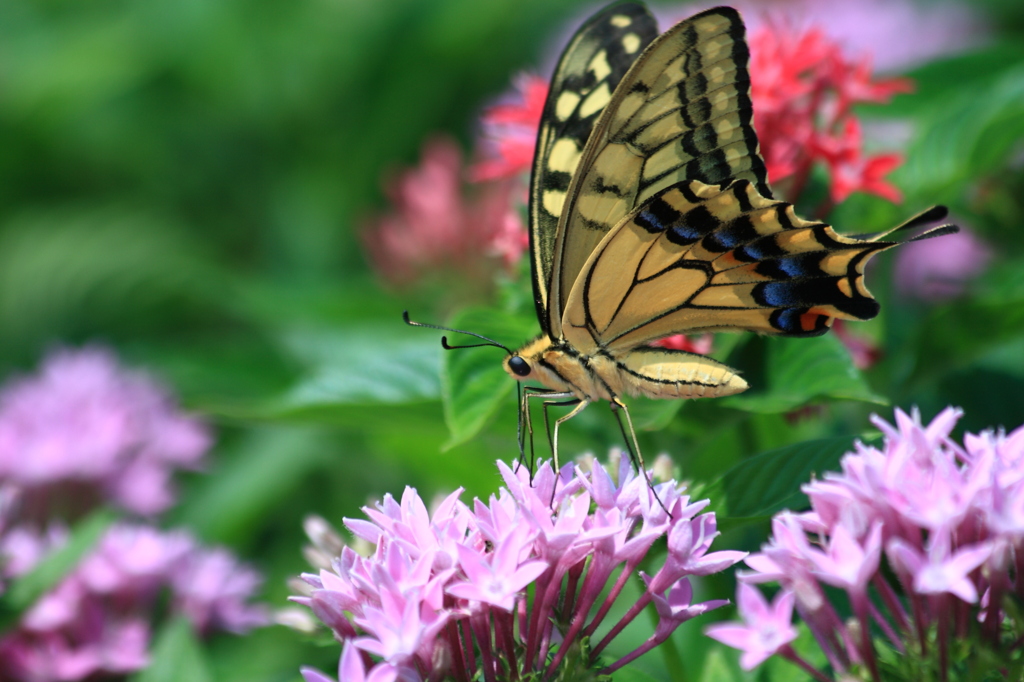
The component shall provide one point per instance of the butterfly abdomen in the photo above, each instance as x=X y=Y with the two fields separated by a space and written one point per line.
x=664 y=373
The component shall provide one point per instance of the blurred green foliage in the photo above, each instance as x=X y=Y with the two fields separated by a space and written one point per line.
x=185 y=180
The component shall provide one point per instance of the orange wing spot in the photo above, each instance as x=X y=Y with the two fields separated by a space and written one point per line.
x=727 y=261
x=809 y=321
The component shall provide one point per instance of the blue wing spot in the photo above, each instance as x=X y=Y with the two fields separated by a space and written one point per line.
x=759 y=249
x=697 y=223
x=657 y=216
x=818 y=291
x=779 y=294
x=791 y=267
x=737 y=232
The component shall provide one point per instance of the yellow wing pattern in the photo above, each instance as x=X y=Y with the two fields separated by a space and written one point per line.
x=700 y=257
x=682 y=112
x=590 y=69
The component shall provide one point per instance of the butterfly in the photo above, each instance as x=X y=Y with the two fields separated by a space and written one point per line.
x=651 y=215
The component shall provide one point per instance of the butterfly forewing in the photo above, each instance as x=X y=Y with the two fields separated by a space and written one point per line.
x=699 y=257
x=682 y=112
x=590 y=69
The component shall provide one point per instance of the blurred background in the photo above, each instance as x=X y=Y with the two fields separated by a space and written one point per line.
x=196 y=184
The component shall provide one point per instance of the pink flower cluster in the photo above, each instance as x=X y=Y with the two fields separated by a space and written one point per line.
x=84 y=433
x=433 y=226
x=512 y=587
x=510 y=130
x=96 y=623
x=84 y=430
x=945 y=520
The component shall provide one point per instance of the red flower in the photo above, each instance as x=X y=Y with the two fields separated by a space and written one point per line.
x=510 y=131
x=850 y=172
x=700 y=345
x=863 y=351
x=803 y=88
x=433 y=226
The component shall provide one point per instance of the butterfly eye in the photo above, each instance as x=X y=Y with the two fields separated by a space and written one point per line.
x=519 y=366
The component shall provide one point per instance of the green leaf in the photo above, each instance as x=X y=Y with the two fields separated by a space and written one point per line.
x=473 y=383
x=27 y=589
x=634 y=673
x=799 y=371
x=251 y=481
x=971 y=134
x=770 y=481
x=66 y=272
x=177 y=656
x=653 y=415
x=954 y=335
x=360 y=365
x=722 y=665
x=938 y=80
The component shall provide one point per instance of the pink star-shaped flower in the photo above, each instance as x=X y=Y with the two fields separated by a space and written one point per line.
x=766 y=628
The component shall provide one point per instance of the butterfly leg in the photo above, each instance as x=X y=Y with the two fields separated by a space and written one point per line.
x=522 y=423
x=526 y=420
x=633 y=447
x=580 y=404
x=553 y=440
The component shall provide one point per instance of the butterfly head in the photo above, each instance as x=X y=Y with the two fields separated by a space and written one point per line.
x=526 y=363
x=517 y=366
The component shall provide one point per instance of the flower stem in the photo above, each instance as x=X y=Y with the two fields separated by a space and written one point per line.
x=459 y=669
x=620 y=583
x=469 y=649
x=483 y=640
x=633 y=612
x=792 y=656
x=503 y=624
x=633 y=655
x=940 y=603
x=860 y=605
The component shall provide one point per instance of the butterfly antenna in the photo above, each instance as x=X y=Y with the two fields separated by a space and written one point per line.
x=444 y=339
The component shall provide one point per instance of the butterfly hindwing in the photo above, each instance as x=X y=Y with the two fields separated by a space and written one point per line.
x=589 y=71
x=699 y=257
x=682 y=112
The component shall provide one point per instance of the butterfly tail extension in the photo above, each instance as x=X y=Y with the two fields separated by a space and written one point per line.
x=926 y=217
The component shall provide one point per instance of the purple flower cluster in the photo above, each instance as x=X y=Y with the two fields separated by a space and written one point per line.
x=940 y=269
x=924 y=536
x=96 y=623
x=515 y=587
x=84 y=433
x=85 y=430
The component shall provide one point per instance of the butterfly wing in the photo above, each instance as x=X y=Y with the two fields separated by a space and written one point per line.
x=590 y=69
x=682 y=112
x=699 y=257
